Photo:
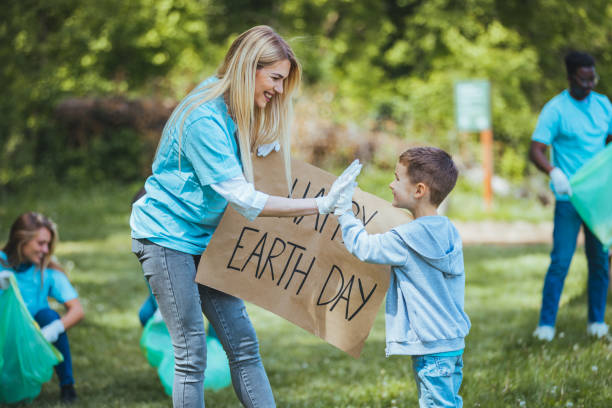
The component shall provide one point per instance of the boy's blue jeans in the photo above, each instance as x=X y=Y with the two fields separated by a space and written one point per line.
x=565 y=233
x=438 y=380
x=63 y=369
x=181 y=301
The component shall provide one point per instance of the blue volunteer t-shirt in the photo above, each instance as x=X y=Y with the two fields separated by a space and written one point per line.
x=54 y=284
x=180 y=210
x=576 y=130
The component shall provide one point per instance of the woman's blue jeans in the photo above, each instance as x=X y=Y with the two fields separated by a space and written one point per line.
x=565 y=234
x=181 y=301
x=63 y=369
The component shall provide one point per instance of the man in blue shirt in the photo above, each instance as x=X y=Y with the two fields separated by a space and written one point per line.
x=577 y=124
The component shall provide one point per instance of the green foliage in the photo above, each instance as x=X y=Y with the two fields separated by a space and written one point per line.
x=112 y=155
x=73 y=48
x=512 y=162
x=379 y=61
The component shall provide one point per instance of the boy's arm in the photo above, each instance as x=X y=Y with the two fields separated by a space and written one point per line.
x=386 y=249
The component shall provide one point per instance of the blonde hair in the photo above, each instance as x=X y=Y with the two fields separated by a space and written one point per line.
x=24 y=229
x=256 y=48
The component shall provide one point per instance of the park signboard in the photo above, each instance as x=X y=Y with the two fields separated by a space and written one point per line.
x=473 y=105
x=473 y=114
x=298 y=268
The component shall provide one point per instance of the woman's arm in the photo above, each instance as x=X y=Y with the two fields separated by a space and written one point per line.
x=252 y=203
x=74 y=313
x=289 y=207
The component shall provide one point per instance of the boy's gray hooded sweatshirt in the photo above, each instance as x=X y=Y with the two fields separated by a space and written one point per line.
x=425 y=301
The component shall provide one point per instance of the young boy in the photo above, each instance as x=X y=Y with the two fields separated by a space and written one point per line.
x=424 y=307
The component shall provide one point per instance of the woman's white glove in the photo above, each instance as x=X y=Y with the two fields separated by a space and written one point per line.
x=5 y=280
x=265 y=149
x=560 y=182
x=345 y=202
x=53 y=330
x=327 y=204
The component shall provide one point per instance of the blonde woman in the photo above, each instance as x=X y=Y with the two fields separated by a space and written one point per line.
x=27 y=255
x=203 y=162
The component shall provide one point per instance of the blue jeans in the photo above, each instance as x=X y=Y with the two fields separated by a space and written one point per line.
x=181 y=302
x=148 y=308
x=63 y=369
x=438 y=380
x=565 y=233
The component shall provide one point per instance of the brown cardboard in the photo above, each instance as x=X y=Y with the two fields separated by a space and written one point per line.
x=298 y=267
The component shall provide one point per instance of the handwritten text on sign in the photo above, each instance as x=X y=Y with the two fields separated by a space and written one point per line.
x=298 y=267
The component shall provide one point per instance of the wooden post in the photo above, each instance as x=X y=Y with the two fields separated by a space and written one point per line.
x=486 y=141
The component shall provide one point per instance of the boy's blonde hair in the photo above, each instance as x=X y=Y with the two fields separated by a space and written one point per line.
x=432 y=167
x=256 y=48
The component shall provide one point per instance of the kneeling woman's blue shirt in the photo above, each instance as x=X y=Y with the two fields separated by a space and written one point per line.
x=180 y=210
x=55 y=284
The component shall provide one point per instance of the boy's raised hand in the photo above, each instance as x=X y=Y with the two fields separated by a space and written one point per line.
x=345 y=202
x=327 y=204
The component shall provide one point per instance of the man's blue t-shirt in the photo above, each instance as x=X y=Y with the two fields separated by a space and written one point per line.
x=180 y=210
x=576 y=130
x=54 y=284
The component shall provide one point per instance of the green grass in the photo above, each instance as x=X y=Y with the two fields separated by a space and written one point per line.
x=504 y=365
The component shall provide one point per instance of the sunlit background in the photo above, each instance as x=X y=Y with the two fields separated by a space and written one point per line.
x=86 y=89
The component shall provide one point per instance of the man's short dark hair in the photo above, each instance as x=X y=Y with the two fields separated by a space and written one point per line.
x=577 y=59
x=433 y=167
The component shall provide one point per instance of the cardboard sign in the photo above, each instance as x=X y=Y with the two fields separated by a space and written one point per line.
x=298 y=268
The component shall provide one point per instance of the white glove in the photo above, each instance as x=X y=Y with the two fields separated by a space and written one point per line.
x=327 y=204
x=560 y=182
x=53 y=330
x=265 y=149
x=345 y=202
x=5 y=280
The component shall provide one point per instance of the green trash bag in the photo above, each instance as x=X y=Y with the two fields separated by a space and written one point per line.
x=156 y=345
x=592 y=195
x=26 y=358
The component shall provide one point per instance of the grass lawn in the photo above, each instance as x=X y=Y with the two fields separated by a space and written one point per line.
x=504 y=366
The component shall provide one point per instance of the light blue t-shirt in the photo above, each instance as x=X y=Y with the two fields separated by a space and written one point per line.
x=576 y=130
x=55 y=284
x=180 y=210
x=453 y=353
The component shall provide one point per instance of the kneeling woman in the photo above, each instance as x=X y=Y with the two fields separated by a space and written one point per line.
x=27 y=254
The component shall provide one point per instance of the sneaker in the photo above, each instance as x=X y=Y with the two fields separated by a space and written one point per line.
x=598 y=330
x=68 y=394
x=545 y=333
